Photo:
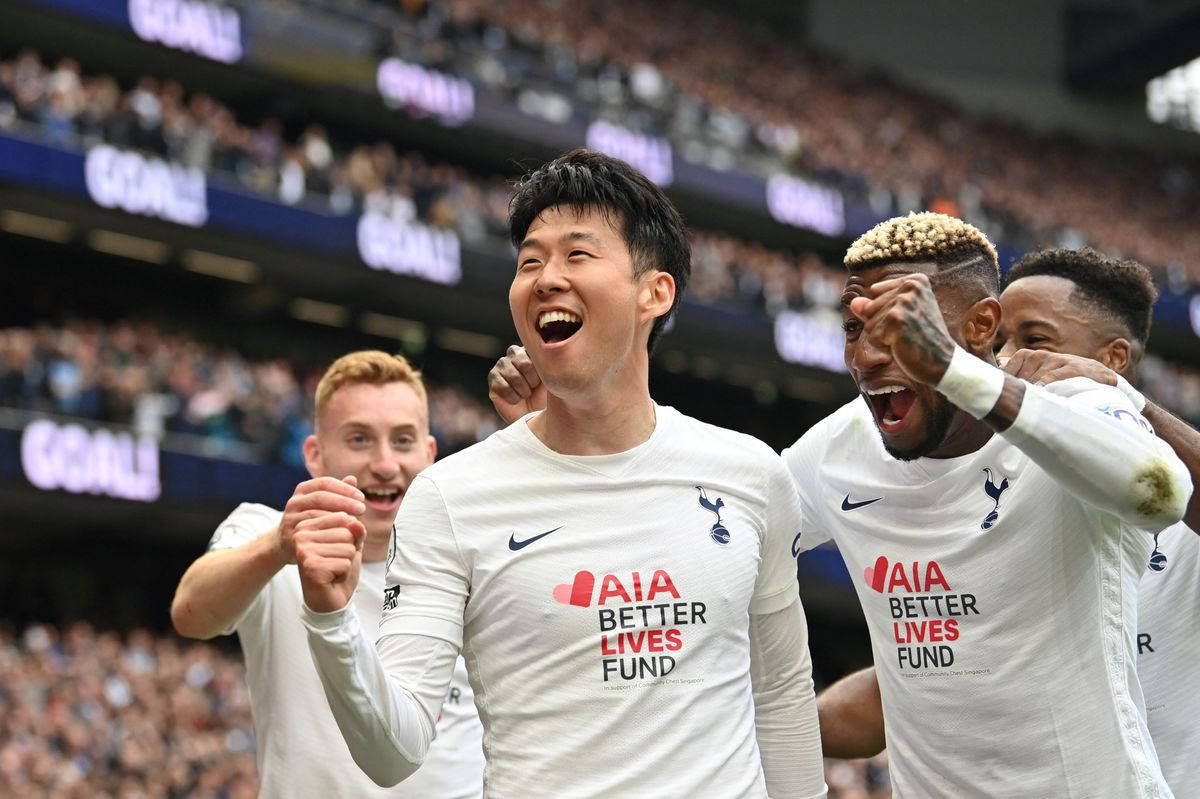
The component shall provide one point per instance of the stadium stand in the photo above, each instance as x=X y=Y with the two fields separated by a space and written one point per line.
x=88 y=713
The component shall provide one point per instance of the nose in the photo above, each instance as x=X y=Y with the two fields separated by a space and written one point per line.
x=384 y=464
x=862 y=356
x=552 y=278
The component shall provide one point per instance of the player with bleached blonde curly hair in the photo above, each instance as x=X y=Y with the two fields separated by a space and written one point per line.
x=995 y=531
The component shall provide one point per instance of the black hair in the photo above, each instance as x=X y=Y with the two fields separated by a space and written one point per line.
x=1121 y=288
x=649 y=224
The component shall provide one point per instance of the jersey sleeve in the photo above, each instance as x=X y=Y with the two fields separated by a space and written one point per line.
x=247 y=522
x=1090 y=439
x=427 y=582
x=386 y=698
x=801 y=461
x=776 y=586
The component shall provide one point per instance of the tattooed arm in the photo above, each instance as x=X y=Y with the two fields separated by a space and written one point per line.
x=1088 y=437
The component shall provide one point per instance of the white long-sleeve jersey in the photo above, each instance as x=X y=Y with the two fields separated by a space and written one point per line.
x=630 y=622
x=1000 y=589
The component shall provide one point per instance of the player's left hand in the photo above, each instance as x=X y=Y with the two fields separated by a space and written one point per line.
x=902 y=314
x=1041 y=367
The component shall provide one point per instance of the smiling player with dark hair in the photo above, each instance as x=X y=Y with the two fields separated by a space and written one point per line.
x=997 y=562
x=618 y=576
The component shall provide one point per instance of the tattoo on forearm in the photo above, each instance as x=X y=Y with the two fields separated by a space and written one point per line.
x=1005 y=411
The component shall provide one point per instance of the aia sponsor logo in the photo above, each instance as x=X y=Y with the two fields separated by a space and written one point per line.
x=579 y=591
x=641 y=618
x=926 y=616
x=886 y=578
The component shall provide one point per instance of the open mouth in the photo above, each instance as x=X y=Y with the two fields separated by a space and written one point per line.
x=382 y=498
x=556 y=326
x=891 y=405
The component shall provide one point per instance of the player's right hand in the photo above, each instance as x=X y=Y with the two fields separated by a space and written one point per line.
x=514 y=385
x=313 y=498
x=329 y=558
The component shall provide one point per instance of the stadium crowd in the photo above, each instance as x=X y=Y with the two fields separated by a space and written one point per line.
x=1001 y=176
x=163 y=382
x=69 y=108
x=763 y=101
x=141 y=716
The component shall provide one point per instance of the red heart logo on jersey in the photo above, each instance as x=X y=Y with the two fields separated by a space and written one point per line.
x=578 y=592
x=877 y=574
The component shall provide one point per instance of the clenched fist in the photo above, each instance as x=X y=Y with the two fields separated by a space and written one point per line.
x=514 y=385
x=902 y=315
x=313 y=498
x=329 y=557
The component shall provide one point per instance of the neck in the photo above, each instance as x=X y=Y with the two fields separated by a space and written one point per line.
x=604 y=423
x=375 y=548
x=966 y=435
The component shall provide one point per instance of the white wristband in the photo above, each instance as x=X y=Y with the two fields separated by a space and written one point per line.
x=971 y=384
x=1135 y=396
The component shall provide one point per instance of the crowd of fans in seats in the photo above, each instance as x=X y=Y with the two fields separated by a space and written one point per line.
x=96 y=715
x=160 y=382
x=68 y=107
x=760 y=100
x=169 y=383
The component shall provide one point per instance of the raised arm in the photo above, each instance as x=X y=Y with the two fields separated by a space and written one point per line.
x=386 y=695
x=247 y=550
x=1185 y=440
x=851 y=713
x=1092 y=443
x=1042 y=367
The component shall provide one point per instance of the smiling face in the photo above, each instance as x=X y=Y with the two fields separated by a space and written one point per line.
x=579 y=310
x=1041 y=312
x=914 y=420
x=380 y=434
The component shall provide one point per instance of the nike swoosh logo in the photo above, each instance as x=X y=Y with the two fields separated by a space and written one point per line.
x=515 y=545
x=848 y=505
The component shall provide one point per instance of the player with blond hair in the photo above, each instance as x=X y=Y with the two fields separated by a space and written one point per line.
x=995 y=531
x=371 y=428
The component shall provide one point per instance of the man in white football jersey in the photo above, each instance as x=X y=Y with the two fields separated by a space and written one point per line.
x=1064 y=303
x=995 y=530
x=619 y=576
x=372 y=423
x=1073 y=313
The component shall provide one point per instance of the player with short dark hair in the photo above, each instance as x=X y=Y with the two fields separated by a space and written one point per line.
x=995 y=530
x=618 y=576
x=1070 y=313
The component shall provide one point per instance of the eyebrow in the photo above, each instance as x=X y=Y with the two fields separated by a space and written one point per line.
x=1031 y=323
x=574 y=235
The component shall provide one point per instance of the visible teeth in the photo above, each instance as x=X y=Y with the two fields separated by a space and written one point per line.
x=381 y=493
x=558 y=316
x=884 y=390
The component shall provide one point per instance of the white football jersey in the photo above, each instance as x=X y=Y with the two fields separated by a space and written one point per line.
x=603 y=604
x=1168 y=644
x=300 y=750
x=1002 y=611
